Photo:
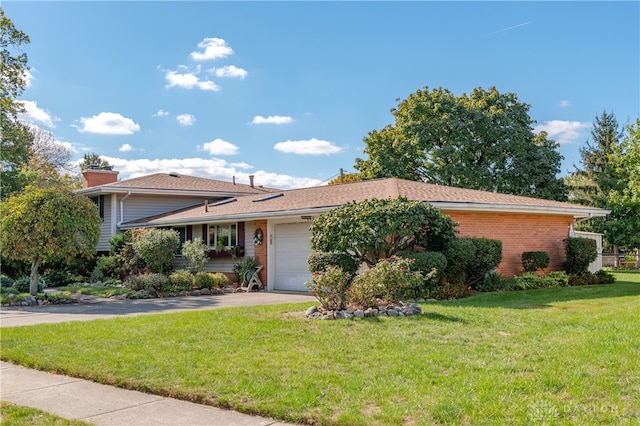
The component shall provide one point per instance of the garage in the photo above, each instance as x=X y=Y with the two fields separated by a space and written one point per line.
x=291 y=250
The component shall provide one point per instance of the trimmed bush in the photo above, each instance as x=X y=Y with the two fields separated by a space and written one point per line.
x=580 y=253
x=535 y=260
x=496 y=282
x=587 y=278
x=330 y=287
x=529 y=280
x=320 y=261
x=475 y=258
x=180 y=280
x=22 y=284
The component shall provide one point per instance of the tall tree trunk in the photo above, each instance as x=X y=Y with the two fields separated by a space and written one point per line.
x=616 y=257
x=33 y=285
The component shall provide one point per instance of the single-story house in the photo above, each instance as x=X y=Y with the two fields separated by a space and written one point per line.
x=273 y=226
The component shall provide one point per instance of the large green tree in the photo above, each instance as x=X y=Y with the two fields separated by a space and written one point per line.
x=42 y=224
x=603 y=180
x=483 y=140
x=374 y=229
x=15 y=139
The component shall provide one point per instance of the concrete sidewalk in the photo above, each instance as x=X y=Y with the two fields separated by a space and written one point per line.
x=73 y=398
x=79 y=399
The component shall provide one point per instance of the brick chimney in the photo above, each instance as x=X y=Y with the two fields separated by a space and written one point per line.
x=95 y=177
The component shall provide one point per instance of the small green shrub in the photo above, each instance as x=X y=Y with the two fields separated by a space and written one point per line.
x=321 y=261
x=580 y=253
x=389 y=280
x=4 y=290
x=241 y=267
x=535 y=260
x=5 y=282
x=451 y=290
x=206 y=280
x=180 y=280
x=496 y=282
x=150 y=282
x=587 y=278
x=330 y=287
x=195 y=255
x=22 y=284
x=529 y=280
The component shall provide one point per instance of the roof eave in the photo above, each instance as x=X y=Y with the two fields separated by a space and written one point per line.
x=99 y=190
x=576 y=212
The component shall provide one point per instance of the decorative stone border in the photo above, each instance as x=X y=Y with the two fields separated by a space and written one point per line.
x=391 y=310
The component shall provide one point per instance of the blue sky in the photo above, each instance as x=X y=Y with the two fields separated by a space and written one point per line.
x=286 y=91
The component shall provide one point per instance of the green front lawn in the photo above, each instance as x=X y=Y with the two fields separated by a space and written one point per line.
x=560 y=356
x=17 y=415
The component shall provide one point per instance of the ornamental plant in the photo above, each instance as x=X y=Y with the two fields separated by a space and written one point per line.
x=195 y=254
x=330 y=287
x=157 y=247
x=390 y=280
x=535 y=260
x=580 y=253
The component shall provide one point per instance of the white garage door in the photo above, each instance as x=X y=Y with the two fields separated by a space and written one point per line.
x=291 y=247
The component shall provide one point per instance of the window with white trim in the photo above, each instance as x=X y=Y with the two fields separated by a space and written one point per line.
x=222 y=236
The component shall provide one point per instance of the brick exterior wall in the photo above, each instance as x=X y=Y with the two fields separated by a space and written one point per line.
x=91 y=178
x=260 y=251
x=518 y=233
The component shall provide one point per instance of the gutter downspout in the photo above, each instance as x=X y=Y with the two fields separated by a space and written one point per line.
x=122 y=208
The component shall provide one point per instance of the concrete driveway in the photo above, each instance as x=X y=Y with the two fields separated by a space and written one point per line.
x=96 y=308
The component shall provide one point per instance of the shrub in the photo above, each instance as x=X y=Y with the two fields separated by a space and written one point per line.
x=61 y=278
x=22 y=284
x=496 y=282
x=320 y=261
x=5 y=282
x=106 y=266
x=157 y=247
x=206 y=280
x=330 y=287
x=195 y=254
x=150 y=283
x=535 y=260
x=242 y=266
x=431 y=264
x=181 y=280
x=118 y=242
x=451 y=290
x=587 y=278
x=580 y=253
x=473 y=257
x=389 y=280
x=529 y=280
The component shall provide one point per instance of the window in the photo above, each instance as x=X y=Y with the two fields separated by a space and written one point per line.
x=182 y=231
x=222 y=237
x=99 y=201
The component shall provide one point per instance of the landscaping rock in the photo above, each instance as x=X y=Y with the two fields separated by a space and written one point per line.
x=312 y=310
x=359 y=313
x=396 y=310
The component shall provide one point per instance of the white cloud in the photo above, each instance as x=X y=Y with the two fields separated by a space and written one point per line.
x=565 y=104
x=272 y=119
x=28 y=78
x=220 y=147
x=125 y=148
x=213 y=48
x=189 y=81
x=213 y=168
x=109 y=123
x=186 y=119
x=33 y=114
x=563 y=132
x=309 y=147
x=229 y=71
x=161 y=113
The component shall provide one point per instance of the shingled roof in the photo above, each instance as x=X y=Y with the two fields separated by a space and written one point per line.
x=173 y=183
x=316 y=200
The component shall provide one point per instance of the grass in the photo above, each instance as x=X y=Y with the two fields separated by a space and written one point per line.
x=16 y=415
x=96 y=290
x=556 y=356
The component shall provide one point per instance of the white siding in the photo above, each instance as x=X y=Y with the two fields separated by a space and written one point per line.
x=139 y=206
x=105 y=226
